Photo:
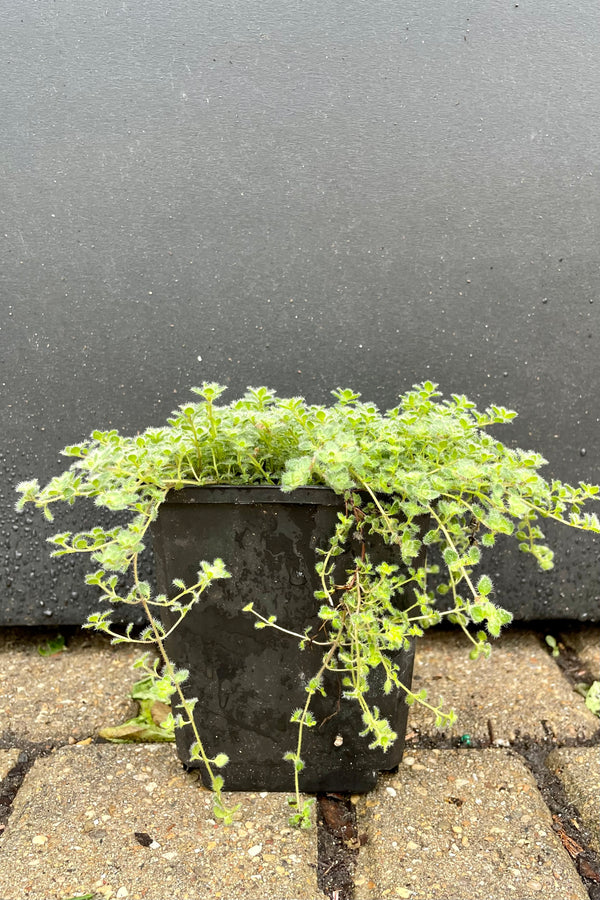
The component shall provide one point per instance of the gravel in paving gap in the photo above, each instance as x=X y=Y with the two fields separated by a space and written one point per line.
x=578 y=769
x=338 y=843
x=9 y=783
x=567 y=820
x=126 y=821
x=8 y=759
x=519 y=690
x=68 y=696
x=14 y=768
x=461 y=824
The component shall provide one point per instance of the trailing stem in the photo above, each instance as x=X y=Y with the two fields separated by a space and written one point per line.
x=305 y=719
x=197 y=750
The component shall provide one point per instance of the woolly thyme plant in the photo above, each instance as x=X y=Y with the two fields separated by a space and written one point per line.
x=427 y=457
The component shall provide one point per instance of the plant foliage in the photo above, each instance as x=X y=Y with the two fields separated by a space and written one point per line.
x=427 y=457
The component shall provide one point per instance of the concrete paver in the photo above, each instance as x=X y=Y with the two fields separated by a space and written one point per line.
x=586 y=643
x=70 y=695
x=519 y=690
x=74 y=824
x=579 y=771
x=461 y=824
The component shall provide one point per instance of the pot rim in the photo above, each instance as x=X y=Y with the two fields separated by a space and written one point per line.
x=314 y=494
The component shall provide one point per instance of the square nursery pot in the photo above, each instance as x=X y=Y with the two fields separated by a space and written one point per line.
x=248 y=681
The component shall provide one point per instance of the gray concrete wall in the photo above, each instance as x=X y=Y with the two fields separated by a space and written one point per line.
x=363 y=194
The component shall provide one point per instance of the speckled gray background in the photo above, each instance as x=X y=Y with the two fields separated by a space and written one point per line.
x=363 y=194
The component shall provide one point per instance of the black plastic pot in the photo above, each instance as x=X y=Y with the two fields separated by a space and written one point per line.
x=248 y=681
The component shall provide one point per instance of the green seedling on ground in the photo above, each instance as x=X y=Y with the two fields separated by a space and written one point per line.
x=591 y=692
x=154 y=721
x=53 y=646
x=552 y=643
x=82 y=897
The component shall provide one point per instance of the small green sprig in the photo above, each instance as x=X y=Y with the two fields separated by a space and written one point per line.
x=53 y=646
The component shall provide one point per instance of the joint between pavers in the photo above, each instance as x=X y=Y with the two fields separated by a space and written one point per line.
x=10 y=785
x=575 y=838
x=338 y=845
x=568 y=660
x=9 y=788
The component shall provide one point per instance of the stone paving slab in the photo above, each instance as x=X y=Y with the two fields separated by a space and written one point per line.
x=70 y=695
x=586 y=643
x=8 y=759
x=75 y=817
x=579 y=771
x=461 y=824
x=520 y=689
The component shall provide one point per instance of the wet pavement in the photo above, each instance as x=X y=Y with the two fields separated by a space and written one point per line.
x=506 y=805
